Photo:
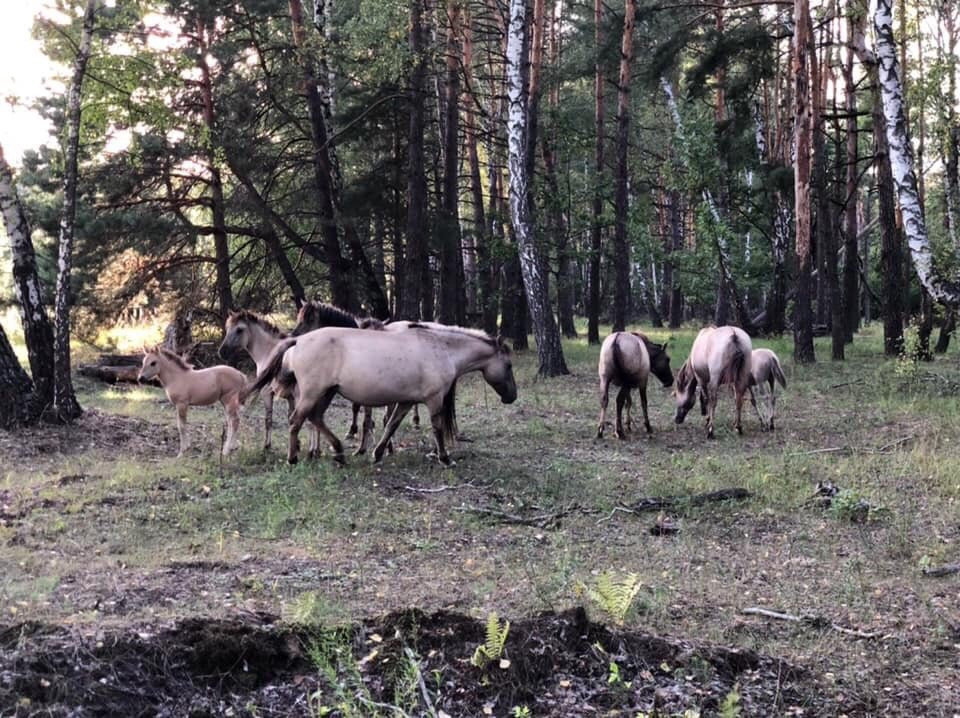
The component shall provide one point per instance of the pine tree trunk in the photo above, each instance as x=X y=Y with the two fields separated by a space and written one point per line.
x=803 y=351
x=341 y=290
x=851 y=265
x=535 y=278
x=37 y=330
x=596 y=229
x=946 y=331
x=18 y=404
x=279 y=257
x=676 y=241
x=477 y=270
x=452 y=294
x=621 y=248
x=65 y=405
x=416 y=268
x=901 y=161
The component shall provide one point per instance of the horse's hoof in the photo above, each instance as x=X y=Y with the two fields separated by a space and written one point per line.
x=445 y=460
x=620 y=435
x=340 y=460
x=377 y=457
x=740 y=430
x=360 y=452
x=292 y=460
x=648 y=428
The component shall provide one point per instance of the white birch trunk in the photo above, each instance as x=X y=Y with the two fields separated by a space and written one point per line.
x=65 y=401
x=532 y=266
x=901 y=160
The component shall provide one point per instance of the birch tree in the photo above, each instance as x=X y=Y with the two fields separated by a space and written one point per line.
x=901 y=161
x=37 y=330
x=532 y=265
x=65 y=405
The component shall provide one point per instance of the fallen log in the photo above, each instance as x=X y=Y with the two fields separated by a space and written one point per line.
x=945 y=570
x=124 y=374
x=659 y=503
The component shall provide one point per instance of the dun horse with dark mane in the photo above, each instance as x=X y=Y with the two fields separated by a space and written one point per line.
x=626 y=360
x=720 y=355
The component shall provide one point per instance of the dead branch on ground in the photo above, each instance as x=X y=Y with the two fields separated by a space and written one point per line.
x=811 y=620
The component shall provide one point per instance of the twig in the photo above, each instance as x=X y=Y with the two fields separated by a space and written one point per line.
x=816 y=621
x=945 y=570
x=831 y=450
x=616 y=510
x=658 y=503
x=894 y=444
x=847 y=383
x=440 y=489
x=540 y=521
x=423 y=686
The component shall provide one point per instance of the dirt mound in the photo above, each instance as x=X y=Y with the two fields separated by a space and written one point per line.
x=555 y=664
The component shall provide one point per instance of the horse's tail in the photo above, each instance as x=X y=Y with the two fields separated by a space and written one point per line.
x=778 y=373
x=618 y=365
x=448 y=413
x=735 y=367
x=273 y=368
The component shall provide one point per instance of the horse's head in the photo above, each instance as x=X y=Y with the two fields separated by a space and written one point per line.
x=236 y=335
x=685 y=391
x=306 y=319
x=660 y=363
x=152 y=359
x=498 y=372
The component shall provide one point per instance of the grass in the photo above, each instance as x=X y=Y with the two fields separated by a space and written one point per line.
x=145 y=537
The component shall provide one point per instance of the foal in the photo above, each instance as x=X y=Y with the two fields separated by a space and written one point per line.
x=186 y=387
x=626 y=360
x=765 y=369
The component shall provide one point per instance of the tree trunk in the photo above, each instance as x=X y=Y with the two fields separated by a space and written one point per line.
x=803 y=351
x=535 y=278
x=596 y=229
x=417 y=261
x=37 y=330
x=65 y=405
x=275 y=248
x=676 y=243
x=901 y=162
x=851 y=265
x=478 y=277
x=946 y=331
x=452 y=294
x=891 y=261
x=341 y=291
x=621 y=247
x=18 y=405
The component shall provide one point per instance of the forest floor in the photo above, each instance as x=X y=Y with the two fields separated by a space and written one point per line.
x=133 y=583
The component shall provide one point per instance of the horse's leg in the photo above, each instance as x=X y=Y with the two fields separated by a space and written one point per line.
x=395 y=418
x=773 y=402
x=182 y=428
x=642 y=390
x=712 y=396
x=365 y=431
x=267 y=419
x=231 y=409
x=604 y=400
x=756 y=406
x=435 y=407
x=353 y=421
x=416 y=415
x=628 y=406
x=623 y=396
x=315 y=415
x=741 y=395
x=703 y=401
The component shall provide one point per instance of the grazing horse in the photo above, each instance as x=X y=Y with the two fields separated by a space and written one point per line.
x=186 y=387
x=720 y=355
x=765 y=369
x=420 y=365
x=626 y=360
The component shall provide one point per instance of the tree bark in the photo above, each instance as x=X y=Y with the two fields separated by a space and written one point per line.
x=416 y=268
x=901 y=162
x=803 y=350
x=275 y=248
x=452 y=294
x=851 y=265
x=341 y=291
x=221 y=246
x=37 y=330
x=676 y=243
x=18 y=405
x=596 y=229
x=535 y=278
x=65 y=405
x=621 y=247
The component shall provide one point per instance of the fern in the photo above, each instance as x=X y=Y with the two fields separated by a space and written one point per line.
x=615 y=596
x=496 y=637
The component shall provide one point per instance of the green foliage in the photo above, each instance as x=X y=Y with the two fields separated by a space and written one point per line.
x=730 y=707
x=492 y=647
x=615 y=595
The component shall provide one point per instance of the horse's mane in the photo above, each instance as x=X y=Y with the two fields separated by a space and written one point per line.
x=245 y=315
x=454 y=329
x=321 y=314
x=173 y=357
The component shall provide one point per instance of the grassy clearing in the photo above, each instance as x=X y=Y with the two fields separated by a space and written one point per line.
x=140 y=536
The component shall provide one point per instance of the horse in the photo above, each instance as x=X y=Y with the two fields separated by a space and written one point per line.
x=626 y=360
x=765 y=369
x=186 y=387
x=720 y=355
x=419 y=365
